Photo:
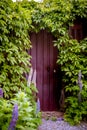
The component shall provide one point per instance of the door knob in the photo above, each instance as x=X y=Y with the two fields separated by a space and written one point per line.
x=54 y=71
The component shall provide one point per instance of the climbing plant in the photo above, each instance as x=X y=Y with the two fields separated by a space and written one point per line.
x=20 y=18
x=14 y=41
x=17 y=103
x=57 y=16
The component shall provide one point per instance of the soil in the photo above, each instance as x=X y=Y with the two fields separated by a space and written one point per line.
x=52 y=114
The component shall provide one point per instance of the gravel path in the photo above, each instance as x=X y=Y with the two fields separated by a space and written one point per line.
x=60 y=125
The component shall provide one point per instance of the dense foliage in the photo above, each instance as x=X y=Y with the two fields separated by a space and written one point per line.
x=56 y=17
x=15 y=23
x=16 y=20
x=28 y=118
x=14 y=41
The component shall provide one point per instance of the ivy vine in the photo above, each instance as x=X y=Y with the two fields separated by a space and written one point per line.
x=14 y=41
x=57 y=17
x=17 y=20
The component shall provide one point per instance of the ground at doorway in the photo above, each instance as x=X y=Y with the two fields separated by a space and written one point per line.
x=56 y=122
x=52 y=115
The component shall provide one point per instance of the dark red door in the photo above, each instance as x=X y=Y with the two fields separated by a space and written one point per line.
x=44 y=56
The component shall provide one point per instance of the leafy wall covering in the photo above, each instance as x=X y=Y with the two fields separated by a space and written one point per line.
x=20 y=18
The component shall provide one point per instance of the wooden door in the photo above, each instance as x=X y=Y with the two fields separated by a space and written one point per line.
x=44 y=56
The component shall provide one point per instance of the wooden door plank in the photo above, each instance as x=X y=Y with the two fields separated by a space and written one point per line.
x=57 y=86
x=46 y=73
x=40 y=66
x=51 y=89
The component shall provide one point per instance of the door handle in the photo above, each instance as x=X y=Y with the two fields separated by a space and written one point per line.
x=54 y=71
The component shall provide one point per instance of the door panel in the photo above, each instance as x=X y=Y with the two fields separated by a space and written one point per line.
x=44 y=57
